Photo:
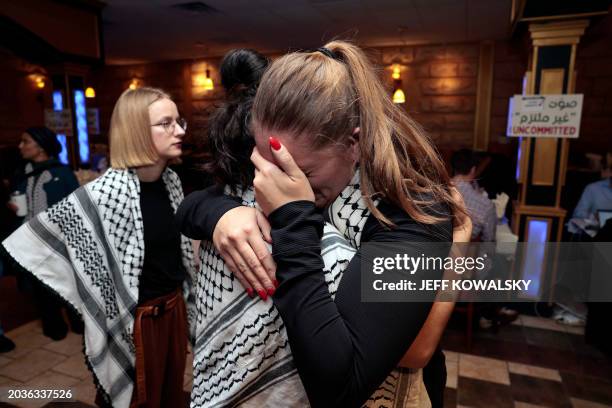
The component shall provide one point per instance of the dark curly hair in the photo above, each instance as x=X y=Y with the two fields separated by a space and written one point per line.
x=229 y=136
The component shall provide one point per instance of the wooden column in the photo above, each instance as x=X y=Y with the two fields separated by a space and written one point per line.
x=543 y=161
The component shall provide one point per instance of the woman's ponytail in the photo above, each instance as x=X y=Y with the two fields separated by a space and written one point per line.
x=398 y=161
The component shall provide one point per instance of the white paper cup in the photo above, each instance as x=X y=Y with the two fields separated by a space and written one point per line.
x=19 y=201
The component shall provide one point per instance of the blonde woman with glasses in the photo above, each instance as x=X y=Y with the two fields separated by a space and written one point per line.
x=112 y=251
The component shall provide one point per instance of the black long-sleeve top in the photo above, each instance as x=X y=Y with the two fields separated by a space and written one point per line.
x=343 y=348
x=162 y=270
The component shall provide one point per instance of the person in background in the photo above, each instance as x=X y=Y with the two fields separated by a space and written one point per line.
x=45 y=182
x=585 y=225
x=596 y=196
x=596 y=329
x=7 y=215
x=484 y=224
x=496 y=175
x=480 y=209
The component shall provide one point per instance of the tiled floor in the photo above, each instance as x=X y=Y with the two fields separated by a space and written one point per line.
x=533 y=363
x=41 y=363
x=16 y=307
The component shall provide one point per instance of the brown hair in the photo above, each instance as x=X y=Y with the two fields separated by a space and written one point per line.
x=131 y=144
x=311 y=93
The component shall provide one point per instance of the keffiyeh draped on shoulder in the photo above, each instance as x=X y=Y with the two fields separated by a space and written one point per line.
x=89 y=248
x=242 y=355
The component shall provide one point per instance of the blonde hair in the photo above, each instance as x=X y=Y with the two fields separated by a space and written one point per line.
x=131 y=144
x=314 y=95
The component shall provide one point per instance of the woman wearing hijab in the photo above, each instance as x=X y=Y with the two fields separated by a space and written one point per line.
x=45 y=182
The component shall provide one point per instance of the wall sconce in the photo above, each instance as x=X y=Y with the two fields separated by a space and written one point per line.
x=38 y=80
x=135 y=84
x=204 y=81
x=90 y=92
x=398 y=96
x=199 y=80
x=398 y=93
x=396 y=72
x=208 y=82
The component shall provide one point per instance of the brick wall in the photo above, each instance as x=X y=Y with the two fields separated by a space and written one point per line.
x=21 y=106
x=174 y=77
x=508 y=71
x=440 y=87
x=21 y=103
x=439 y=82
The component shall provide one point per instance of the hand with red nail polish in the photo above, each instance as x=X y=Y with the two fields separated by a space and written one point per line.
x=281 y=182
x=274 y=143
x=240 y=238
x=262 y=294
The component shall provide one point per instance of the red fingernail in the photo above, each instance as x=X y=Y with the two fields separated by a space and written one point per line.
x=275 y=282
x=274 y=143
x=271 y=291
x=262 y=294
x=250 y=292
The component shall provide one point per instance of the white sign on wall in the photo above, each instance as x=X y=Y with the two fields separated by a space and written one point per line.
x=59 y=121
x=545 y=115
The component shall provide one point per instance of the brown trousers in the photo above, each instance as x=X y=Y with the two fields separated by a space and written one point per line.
x=160 y=337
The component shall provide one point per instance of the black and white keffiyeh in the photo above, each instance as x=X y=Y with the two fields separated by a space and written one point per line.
x=35 y=193
x=242 y=355
x=89 y=248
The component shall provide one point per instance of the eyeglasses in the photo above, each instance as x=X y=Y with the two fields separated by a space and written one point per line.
x=169 y=127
